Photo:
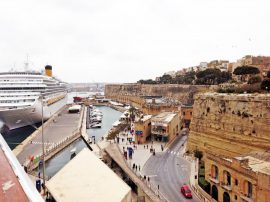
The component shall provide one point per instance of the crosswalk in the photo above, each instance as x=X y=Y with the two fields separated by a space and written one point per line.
x=173 y=152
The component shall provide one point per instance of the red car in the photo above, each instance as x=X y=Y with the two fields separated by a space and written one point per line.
x=186 y=191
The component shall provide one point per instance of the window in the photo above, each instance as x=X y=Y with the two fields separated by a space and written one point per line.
x=236 y=182
x=184 y=113
x=190 y=113
x=235 y=197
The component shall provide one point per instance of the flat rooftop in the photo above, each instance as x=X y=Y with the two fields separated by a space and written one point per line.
x=256 y=164
x=144 y=118
x=164 y=117
x=86 y=178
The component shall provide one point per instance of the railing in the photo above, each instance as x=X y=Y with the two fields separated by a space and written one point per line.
x=246 y=198
x=228 y=187
x=215 y=180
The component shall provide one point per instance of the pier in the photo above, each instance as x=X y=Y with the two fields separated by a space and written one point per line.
x=60 y=130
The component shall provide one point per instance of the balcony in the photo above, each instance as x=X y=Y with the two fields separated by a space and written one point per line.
x=246 y=198
x=228 y=187
x=216 y=181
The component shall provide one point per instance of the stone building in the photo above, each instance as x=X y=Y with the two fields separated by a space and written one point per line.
x=142 y=129
x=230 y=124
x=165 y=126
x=243 y=179
x=186 y=116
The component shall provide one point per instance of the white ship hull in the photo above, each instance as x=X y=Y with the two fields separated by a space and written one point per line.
x=16 y=118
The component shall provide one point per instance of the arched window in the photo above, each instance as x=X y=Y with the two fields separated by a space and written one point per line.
x=214 y=172
x=227 y=178
x=226 y=197
x=214 y=192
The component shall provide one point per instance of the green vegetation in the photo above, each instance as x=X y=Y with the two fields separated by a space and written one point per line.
x=243 y=70
x=254 y=79
x=268 y=74
x=206 y=77
x=148 y=81
x=198 y=154
x=201 y=180
x=212 y=77
x=265 y=85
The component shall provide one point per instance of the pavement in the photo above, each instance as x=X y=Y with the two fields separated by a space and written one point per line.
x=56 y=132
x=167 y=170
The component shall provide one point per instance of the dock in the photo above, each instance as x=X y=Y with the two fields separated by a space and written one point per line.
x=59 y=131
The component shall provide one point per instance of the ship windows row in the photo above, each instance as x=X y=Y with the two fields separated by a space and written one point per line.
x=16 y=101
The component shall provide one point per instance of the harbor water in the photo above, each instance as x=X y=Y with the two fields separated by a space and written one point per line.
x=15 y=137
x=58 y=161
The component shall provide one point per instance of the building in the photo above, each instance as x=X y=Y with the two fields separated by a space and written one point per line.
x=165 y=126
x=142 y=129
x=244 y=178
x=186 y=116
x=86 y=178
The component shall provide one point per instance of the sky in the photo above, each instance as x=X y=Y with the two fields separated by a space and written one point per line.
x=127 y=40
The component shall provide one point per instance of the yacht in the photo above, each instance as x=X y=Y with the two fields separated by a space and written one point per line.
x=24 y=95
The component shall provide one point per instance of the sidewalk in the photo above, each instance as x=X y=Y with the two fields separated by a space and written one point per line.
x=141 y=152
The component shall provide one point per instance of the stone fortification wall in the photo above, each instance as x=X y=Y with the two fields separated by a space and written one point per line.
x=183 y=93
x=230 y=124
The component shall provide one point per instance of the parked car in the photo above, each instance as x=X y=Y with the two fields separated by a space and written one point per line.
x=186 y=191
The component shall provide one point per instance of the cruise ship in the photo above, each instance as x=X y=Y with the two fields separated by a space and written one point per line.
x=25 y=95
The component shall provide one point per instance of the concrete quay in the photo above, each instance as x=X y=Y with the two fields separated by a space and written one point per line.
x=59 y=131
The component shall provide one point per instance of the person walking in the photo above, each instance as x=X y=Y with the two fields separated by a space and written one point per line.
x=139 y=168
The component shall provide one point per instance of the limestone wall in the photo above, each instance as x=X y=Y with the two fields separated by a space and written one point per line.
x=230 y=124
x=184 y=93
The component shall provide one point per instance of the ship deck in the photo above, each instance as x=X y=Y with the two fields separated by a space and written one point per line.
x=11 y=189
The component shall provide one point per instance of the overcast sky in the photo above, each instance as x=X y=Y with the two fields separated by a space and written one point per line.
x=124 y=41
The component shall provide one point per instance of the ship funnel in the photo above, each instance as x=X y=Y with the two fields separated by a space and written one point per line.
x=48 y=70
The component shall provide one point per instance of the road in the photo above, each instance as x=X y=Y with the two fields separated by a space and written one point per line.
x=170 y=171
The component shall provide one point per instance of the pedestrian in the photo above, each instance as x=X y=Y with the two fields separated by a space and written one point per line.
x=136 y=167
x=133 y=166
x=148 y=179
x=139 y=168
x=147 y=146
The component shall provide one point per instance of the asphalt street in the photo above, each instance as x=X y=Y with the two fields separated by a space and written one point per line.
x=169 y=170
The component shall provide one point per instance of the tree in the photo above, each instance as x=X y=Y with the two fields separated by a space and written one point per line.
x=198 y=154
x=166 y=79
x=254 y=79
x=212 y=76
x=265 y=85
x=242 y=70
x=268 y=74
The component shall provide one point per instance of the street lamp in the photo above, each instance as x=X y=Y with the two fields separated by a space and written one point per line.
x=43 y=148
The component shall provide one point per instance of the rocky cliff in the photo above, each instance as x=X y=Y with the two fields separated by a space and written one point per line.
x=230 y=124
x=184 y=93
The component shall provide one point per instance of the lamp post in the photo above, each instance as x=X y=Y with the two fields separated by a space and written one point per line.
x=43 y=148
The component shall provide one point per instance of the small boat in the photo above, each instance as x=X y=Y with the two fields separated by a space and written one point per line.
x=73 y=153
x=96 y=125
